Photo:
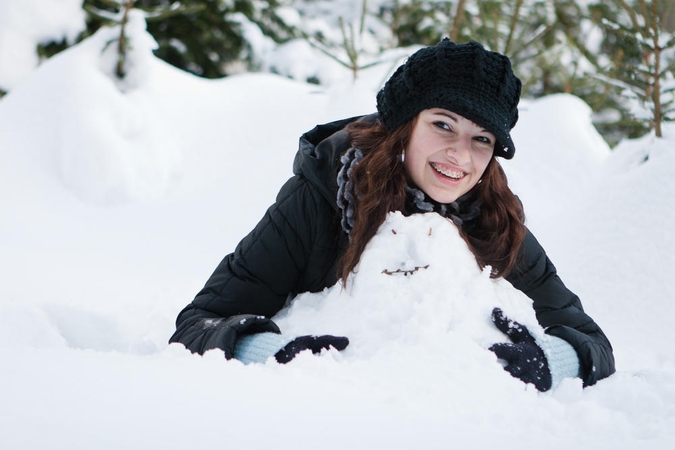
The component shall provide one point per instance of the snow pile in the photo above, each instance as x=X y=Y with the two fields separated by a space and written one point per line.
x=120 y=149
x=618 y=246
x=24 y=25
x=566 y=140
x=96 y=272
x=417 y=287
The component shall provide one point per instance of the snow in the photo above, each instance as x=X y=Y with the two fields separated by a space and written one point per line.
x=396 y=301
x=120 y=199
x=25 y=24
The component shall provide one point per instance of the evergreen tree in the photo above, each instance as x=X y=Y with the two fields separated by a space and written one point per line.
x=640 y=42
x=525 y=30
x=204 y=37
x=613 y=54
x=420 y=22
x=358 y=40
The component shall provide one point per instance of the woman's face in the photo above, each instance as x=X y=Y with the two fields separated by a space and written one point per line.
x=447 y=154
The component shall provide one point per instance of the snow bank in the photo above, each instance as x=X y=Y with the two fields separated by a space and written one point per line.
x=419 y=286
x=617 y=248
x=111 y=141
x=559 y=154
x=24 y=25
x=90 y=290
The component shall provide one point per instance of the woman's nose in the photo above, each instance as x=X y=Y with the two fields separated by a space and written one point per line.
x=460 y=150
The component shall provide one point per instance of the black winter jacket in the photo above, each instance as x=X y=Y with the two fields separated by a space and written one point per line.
x=296 y=245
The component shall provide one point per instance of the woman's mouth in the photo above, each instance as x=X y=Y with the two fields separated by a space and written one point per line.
x=452 y=174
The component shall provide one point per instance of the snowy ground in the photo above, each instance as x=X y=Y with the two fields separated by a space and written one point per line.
x=119 y=200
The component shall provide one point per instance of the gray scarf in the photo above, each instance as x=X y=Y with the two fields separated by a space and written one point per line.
x=463 y=212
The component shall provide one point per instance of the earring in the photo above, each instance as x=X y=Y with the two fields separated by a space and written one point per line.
x=402 y=156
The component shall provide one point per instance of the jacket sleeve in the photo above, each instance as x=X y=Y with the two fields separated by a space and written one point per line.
x=266 y=266
x=560 y=312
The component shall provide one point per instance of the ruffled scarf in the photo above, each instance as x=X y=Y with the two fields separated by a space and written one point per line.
x=463 y=212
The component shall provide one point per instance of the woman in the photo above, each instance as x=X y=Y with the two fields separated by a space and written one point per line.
x=443 y=118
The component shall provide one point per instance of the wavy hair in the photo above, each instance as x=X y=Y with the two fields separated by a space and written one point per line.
x=379 y=186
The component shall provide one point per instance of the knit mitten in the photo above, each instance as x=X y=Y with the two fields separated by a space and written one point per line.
x=525 y=360
x=313 y=343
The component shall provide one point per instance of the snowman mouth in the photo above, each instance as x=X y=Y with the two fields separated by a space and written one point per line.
x=452 y=174
x=404 y=272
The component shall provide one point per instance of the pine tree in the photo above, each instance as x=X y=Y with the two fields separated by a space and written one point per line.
x=524 y=30
x=642 y=58
x=118 y=17
x=353 y=46
x=204 y=37
x=420 y=22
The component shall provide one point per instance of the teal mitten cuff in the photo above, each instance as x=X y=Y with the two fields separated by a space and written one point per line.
x=257 y=348
x=563 y=360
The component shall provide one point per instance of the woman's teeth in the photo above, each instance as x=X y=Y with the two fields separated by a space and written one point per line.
x=448 y=173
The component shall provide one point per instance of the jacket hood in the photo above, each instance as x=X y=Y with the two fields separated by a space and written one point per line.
x=318 y=157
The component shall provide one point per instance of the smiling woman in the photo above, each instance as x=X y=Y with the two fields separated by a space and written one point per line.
x=447 y=154
x=442 y=120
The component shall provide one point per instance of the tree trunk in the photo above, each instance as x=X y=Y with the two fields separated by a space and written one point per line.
x=122 y=42
x=459 y=15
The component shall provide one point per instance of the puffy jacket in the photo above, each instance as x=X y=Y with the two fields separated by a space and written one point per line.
x=296 y=245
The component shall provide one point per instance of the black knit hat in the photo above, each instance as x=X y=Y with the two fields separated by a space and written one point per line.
x=463 y=78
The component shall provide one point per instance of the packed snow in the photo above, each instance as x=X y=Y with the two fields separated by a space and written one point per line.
x=119 y=199
x=25 y=24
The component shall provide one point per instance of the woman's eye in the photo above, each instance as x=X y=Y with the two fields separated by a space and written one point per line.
x=443 y=125
x=484 y=139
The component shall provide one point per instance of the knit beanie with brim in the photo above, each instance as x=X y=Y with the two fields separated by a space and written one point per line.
x=466 y=79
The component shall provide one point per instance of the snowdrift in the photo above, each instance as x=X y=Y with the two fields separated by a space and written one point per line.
x=119 y=202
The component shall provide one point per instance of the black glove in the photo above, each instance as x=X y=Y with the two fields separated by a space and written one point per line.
x=525 y=359
x=313 y=343
x=200 y=334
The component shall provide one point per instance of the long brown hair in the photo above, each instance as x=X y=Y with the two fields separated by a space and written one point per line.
x=379 y=187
